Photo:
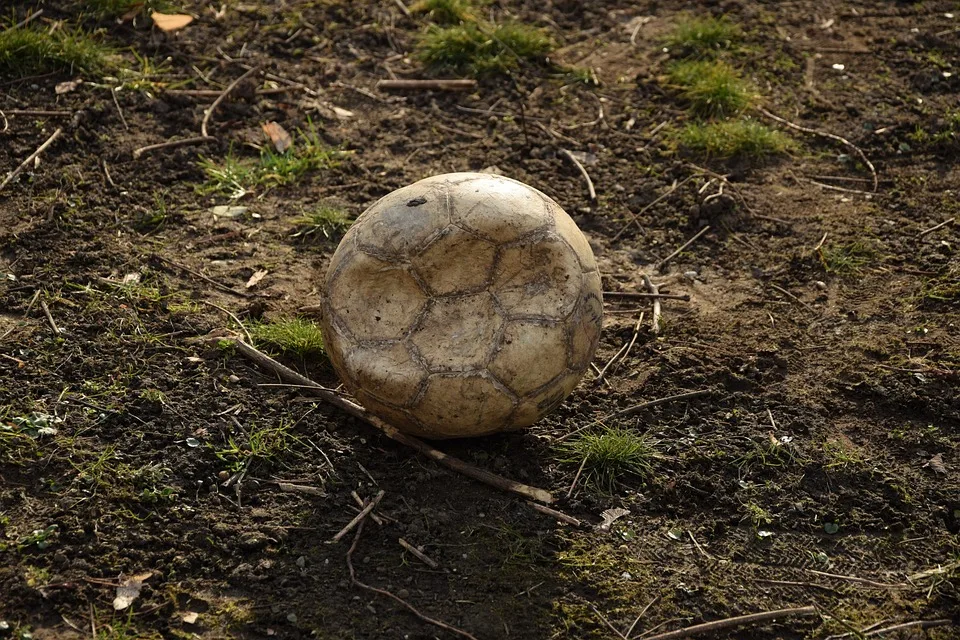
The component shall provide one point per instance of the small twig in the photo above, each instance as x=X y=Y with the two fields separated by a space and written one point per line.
x=383 y=592
x=106 y=172
x=27 y=20
x=657 y=309
x=820 y=244
x=607 y=622
x=559 y=515
x=33 y=156
x=403 y=8
x=233 y=85
x=46 y=312
x=172 y=143
x=686 y=244
x=583 y=171
x=629 y=411
x=831 y=187
x=197 y=274
x=787 y=293
x=792 y=583
x=935 y=227
x=460 y=84
x=871 y=583
x=635 y=217
x=421 y=556
x=576 y=477
x=697 y=545
x=603 y=372
x=234 y=317
x=719 y=625
x=642 y=612
x=824 y=134
x=633 y=339
x=360 y=503
x=360 y=516
x=478 y=474
x=113 y=94
x=38 y=113
x=922 y=624
x=663 y=296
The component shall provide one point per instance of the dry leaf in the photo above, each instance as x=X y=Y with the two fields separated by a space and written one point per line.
x=278 y=136
x=67 y=87
x=170 y=21
x=256 y=278
x=189 y=616
x=129 y=590
x=341 y=112
x=936 y=463
x=610 y=516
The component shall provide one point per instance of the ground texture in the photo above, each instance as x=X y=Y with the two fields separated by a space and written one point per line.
x=820 y=468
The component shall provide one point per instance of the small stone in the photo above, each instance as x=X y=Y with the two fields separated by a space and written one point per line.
x=233 y=378
x=403 y=593
x=302 y=562
x=292 y=617
x=224 y=475
x=820 y=284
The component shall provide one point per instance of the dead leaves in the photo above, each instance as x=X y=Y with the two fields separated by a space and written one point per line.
x=129 y=590
x=278 y=136
x=168 y=22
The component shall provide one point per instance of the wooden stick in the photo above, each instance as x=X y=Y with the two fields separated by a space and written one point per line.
x=46 y=312
x=226 y=92
x=38 y=113
x=481 y=475
x=866 y=581
x=33 y=156
x=719 y=625
x=27 y=20
x=169 y=144
x=607 y=622
x=663 y=296
x=935 y=227
x=855 y=148
x=419 y=555
x=360 y=516
x=553 y=513
x=221 y=287
x=403 y=8
x=464 y=84
x=576 y=477
x=383 y=592
x=360 y=503
x=583 y=171
x=603 y=372
x=831 y=187
x=922 y=624
x=686 y=244
x=635 y=217
x=657 y=309
x=788 y=294
x=633 y=339
x=629 y=411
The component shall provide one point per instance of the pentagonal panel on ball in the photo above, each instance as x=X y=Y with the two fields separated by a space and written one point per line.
x=387 y=371
x=463 y=405
x=530 y=355
x=373 y=299
x=538 y=277
x=403 y=221
x=532 y=408
x=497 y=208
x=457 y=334
x=456 y=262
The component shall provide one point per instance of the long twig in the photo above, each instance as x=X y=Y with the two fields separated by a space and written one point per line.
x=607 y=622
x=46 y=312
x=481 y=475
x=583 y=171
x=360 y=516
x=33 y=156
x=640 y=615
x=603 y=372
x=935 y=227
x=663 y=296
x=719 y=625
x=419 y=555
x=172 y=143
x=635 y=217
x=629 y=411
x=865 y=581
x=573 y=484
x=790 y=295
x=233 y=317
x=553 y=513
x=855 y=148
x=197 y=274
x=657 y=309
x=633 y=339
x=38 y=113
x=30 y=18
x=460 y=84
x=922 y=624
x=660 y=265
x=383 y=592
x=233 y=85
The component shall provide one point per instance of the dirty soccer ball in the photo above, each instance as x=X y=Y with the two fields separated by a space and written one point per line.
x=462 y=305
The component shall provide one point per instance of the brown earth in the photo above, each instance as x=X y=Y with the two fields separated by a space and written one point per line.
x=821 y=469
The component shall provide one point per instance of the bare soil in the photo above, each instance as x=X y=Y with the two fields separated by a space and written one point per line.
x=821 y=469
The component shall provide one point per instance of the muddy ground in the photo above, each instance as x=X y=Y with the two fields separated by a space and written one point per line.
x=820 y=469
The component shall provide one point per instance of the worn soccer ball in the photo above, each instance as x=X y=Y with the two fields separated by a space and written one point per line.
x=462 y=305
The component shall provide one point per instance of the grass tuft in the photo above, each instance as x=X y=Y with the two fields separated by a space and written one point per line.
x=30 y=50
x=611 y=454
x=734 y=138
x=713 y=88
x=701 y=37
x=294 y=336
x=329 y=222
x=848 y=259
x=484 y=49
x=446 y=11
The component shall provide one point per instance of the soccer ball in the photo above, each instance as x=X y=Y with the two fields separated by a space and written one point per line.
x=462 y=305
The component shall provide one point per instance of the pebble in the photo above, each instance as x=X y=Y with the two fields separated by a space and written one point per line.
x=821 y=285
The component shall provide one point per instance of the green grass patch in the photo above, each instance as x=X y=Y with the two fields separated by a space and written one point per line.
x=32 y=50
x=294 y=336
x=446 y=11
x=483 y=49
x=328 y=222
x=945 y=289
x=713 y=88
x=609 y=454
x=263 y=445
x=734 y=138
x=236 y=177
x=695 y=36
x=846 y=259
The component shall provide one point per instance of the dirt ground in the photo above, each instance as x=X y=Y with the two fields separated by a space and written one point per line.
x=820 y=468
